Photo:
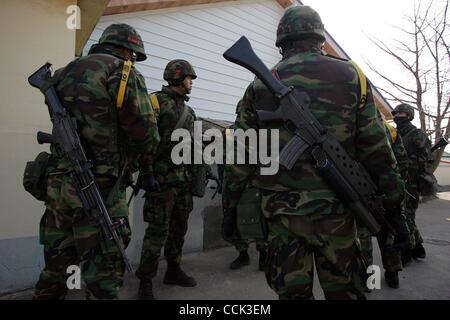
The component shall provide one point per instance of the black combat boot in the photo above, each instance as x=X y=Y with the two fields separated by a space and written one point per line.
x=146 y=290
x=242 y=260
x=262 y=260
x=418 y=252
x=174 y=275
x=391 y=278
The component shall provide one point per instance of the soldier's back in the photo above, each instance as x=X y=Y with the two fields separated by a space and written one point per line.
x=83 y=87
x=333 y=88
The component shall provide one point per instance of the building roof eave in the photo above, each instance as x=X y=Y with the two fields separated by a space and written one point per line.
x=126 y=6
x=91 y=11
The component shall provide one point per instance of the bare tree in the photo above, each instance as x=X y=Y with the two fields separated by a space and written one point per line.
x=425 y=57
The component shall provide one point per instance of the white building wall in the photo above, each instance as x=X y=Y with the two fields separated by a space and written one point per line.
x=31 y=33
x=200 y=34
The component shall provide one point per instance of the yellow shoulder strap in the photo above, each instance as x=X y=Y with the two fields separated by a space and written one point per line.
x=363 y=84
x=155 y=104
x=392 y=132
x=123 y=83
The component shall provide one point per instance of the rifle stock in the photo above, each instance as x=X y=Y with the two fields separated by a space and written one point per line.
x=241 y=53
x=37 y=79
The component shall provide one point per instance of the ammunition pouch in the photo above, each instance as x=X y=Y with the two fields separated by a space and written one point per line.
x=198 y=185
x=35 y=176
x=251 y=223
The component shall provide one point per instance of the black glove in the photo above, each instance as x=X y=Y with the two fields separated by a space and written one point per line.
x=229 y=225
x=150 y=184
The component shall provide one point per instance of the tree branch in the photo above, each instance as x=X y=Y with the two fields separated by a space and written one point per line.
x=396 y=98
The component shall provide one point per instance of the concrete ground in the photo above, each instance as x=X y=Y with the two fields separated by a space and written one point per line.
x=424 y=279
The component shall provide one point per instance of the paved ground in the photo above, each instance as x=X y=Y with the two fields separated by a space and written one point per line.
x=426 y=279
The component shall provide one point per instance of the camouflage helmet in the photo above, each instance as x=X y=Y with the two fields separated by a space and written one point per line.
x=126 y=36
x=406 y=108
x=177 y=70
x=299 y=22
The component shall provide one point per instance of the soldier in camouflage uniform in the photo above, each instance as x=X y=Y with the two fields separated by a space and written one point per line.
x=168 y=200
x=307 y=221
x=113 y=134
x=241 y=244
x=391 y=258
x=418 y=147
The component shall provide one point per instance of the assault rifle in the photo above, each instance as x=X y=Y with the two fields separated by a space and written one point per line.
x=65 y=136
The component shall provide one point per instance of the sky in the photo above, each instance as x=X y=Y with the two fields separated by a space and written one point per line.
x=352 y=22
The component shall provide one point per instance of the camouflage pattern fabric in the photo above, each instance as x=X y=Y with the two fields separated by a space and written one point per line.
x=123 y=35
x=243 y=245
x=70 y=238
x=171 y=107
x=301 y=193
x=107 y=144
x=177 y=70
x=418 y=147
x=296 y=242
x=401 y=155
x=299 y=23
x=391 y=259
x=167 y=214
x=406 y=108
x=366 y=245
x=88 y=88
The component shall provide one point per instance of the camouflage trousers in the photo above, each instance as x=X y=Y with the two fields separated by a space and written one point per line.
x=243 y=244
x=412 y=203
x=391 y=259
x=70 y=238
x=296 y=243
x=167 y=214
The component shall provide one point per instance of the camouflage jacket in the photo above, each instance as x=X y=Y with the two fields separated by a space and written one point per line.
x=399 y=150
x=88 y=88
x=171 y=105
x=334 y=88
x=418 y=147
